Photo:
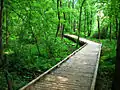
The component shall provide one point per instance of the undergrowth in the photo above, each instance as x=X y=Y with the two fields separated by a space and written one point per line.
x=24 y=63
x=107 y=65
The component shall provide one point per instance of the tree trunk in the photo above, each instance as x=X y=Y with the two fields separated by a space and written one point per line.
x=85 y=22
x=98 y=19
x=69 y=16
x=110 y=30
x=69 y=13
x=90 y=23
x=9 y=82
x=116 y=81
x=74 y=25
x=88 y=29
x=58 y=26
x=79 y=26
x=63 y=25
x=74 y=21
x=7 y=34
x=73 y=5
x=1 y=47
x=116 y=20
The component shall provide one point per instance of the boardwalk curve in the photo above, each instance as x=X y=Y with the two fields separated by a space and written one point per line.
x=78 y=72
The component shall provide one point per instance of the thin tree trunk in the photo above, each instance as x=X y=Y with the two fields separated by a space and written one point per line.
x=69 y=16
x=90 y=23
x=69 y=13
x=98 y=19
x=74 y=22
x=79 y=26
x=116 y=19
x=110 y=31
x=7 y=34
x=63 y=25
x=9 y=82
x=110 y=24
x=74 y=25
x=73 y=5
x=58 y=26
x=85 y=22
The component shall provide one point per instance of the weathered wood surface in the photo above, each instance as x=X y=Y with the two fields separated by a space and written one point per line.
x=77 y=73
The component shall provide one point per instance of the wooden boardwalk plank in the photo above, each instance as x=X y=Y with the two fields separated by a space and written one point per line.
x=77 y=73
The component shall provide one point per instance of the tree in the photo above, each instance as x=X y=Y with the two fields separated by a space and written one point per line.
x=110 y=24
x=110 y=29
x=85 y=21
x=79 y=26
x=74 y=21
x=91 y=16
x=116 y=81
x=1 y=46
x=116 y=20
x=88 y=24
x=98 y=19
x=58 y=26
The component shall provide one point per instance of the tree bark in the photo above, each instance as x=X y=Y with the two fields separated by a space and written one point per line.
x=1 y=46
x=90 y=23
x=79 y=26
x=116 y=20
x=74 y=21
x=63 y=25
x=110 y=30
x=116 y=81
x=98 y=19
x=69 y=13
x=73 y=5
x=88 y=29
x=9 y=82
x=58 y=26
x=85 y=22
x=7 y=34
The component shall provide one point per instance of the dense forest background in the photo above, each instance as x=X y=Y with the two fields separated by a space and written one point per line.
x=32 y=31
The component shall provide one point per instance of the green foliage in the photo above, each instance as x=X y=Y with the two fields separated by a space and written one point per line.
x=107 y=65
x=103 y=35
x=25 y=58
x=29 y=29
x=3 y=85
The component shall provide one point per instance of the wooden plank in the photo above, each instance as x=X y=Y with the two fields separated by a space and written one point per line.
x=96 y=70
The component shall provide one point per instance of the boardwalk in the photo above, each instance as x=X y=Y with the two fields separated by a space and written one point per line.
x=77 y=73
